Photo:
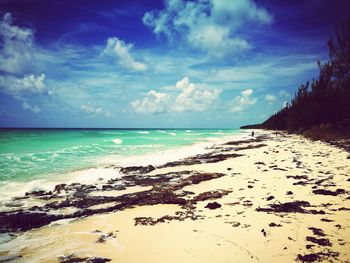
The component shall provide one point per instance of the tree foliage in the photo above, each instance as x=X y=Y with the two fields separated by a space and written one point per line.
x=326 y=100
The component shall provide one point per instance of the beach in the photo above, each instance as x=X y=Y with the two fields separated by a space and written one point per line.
x=268 y=198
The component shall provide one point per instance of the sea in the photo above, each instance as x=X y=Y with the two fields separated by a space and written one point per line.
x=37 y=159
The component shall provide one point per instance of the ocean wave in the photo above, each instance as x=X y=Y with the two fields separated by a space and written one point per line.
x=117 y=141
x=113 y=133
x=188 y=131
x=133 y=147
x=165 y=132
x=143 y=132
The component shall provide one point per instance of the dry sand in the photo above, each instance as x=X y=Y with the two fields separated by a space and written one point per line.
x=288 y=169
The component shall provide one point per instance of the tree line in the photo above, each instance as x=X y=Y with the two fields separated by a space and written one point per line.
x=326 y=99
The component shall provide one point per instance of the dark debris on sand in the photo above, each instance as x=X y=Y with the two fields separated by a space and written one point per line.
x=75 y=259
x=164 y=191
x=326 y=256
x=214 y=205
x=102 y=238
x=272 y=224
x=212 y=157
x=309 y=257
x=137 y=169
x=216 y=194
x=328 y=192
x=317 y=231
x=188 y=213
x=319 y=241
x=290 y=207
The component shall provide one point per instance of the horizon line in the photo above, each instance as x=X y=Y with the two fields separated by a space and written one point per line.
x=125 y=128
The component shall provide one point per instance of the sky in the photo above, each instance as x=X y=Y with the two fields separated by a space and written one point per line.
x=158 y=64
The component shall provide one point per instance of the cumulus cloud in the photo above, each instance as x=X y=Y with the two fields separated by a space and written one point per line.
x=207 y=25
x=270 y=98
x=153 y=102
x=191 y=98
x=122 y=51
x=16 y=53
x=94 y=110
x=243 y=101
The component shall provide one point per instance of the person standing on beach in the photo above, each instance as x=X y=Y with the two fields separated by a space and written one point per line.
x=252 y=133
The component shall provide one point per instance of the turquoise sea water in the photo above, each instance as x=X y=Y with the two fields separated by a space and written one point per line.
x=29 y=154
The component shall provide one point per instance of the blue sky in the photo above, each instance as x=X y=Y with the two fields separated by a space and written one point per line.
x=176 y=63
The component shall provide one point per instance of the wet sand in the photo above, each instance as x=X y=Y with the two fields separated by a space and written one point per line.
x=267 y=199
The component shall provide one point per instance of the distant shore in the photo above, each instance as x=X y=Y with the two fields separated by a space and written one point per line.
x=266 y=198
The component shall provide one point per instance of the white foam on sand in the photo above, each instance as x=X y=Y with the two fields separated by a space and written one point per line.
x=10 y=190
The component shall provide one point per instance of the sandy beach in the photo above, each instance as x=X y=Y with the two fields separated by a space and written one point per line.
x=270 y=198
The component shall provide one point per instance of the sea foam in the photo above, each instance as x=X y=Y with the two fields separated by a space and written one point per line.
x=143 y=132
x=117 y=141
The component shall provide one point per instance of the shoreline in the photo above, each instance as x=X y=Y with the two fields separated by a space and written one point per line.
x=105 y=168
x=249 y=195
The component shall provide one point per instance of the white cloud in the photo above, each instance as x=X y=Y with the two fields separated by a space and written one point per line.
x=238 y=11
x=17 y=87
x=216 y=40
x=17 y=56
x=34 y=108
x=95 y=110
x=243 y=101
x=208 y=25
x=16 y=53
x=247 y=92
x=153 y=102
x=122 y=51
x=270 y=98
x=191 y=98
